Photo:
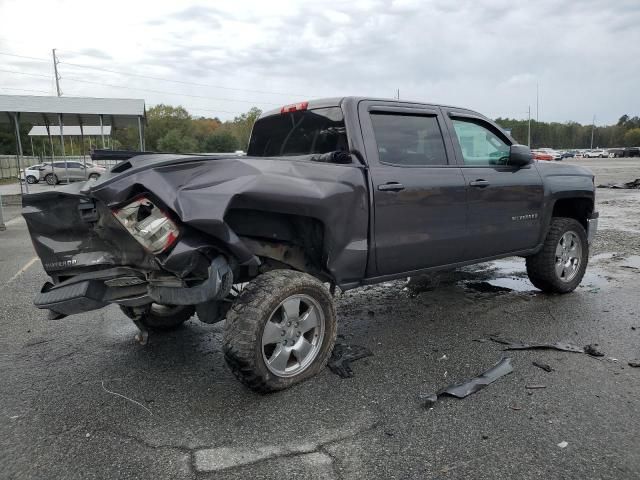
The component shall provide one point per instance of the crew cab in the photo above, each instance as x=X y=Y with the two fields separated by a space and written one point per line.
x=333 y=193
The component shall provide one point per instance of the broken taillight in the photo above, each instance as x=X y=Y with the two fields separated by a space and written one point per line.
x=148 y=224
x=294 y=107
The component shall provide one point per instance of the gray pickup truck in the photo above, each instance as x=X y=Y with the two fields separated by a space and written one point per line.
x=333 y=193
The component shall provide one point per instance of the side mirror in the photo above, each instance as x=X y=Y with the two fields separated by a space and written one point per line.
x=520 y=155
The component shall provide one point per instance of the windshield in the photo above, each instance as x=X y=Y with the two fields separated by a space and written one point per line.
x=299 y=133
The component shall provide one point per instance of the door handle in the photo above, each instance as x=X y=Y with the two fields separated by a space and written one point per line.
x=480 y=183
x=391 y=187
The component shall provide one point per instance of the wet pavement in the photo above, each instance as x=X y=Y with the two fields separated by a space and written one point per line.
x=80 y=399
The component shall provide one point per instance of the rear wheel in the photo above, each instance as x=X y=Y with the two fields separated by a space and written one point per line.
x=31 y=179
x=51 y=179
x=280 y=330
x=560 y=265
x=163 y=317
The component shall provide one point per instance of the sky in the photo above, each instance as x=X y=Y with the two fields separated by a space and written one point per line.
x=220 y=58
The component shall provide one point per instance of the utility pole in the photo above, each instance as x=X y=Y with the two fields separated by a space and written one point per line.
x=593 y=127
x=398 y=94
x=529 y=134
x=537 y=103
x=55 y=70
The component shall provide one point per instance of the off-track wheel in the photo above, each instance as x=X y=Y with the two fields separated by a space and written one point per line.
x=280 y=330
x=560 y=265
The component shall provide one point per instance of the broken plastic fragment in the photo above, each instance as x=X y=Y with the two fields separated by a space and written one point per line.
x=343 y=355
x=500 y=369
x=634 y=363
x=563 y=444
x=593 y=351
x=543 y=366
x=517 y=345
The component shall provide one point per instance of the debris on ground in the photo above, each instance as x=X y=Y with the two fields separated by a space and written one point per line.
x=592 y=350
x=517 y=345
x=634 y=363
x=635 y=184
x=534 y=387
x=443 y=357
x=462 y=390
x=343 y=355
x=544 y=366
x=563 y=444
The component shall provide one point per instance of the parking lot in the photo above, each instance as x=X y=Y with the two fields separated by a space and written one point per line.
x=81 y=399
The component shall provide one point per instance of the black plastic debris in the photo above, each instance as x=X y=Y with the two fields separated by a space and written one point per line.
x=462 y=390
x=544 y=366
x=635 y=184
x=517 y=345
x=634 y=363
x=343 y=355
x=593 y=351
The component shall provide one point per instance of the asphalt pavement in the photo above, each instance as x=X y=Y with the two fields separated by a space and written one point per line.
x=80 y=399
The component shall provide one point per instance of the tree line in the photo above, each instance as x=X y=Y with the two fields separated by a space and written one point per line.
x=625 y=133
x=174 y=129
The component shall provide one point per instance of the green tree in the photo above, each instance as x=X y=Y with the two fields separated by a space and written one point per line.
x=632 y=137
x=221 y=141
x=242 y=125
x=175 y=141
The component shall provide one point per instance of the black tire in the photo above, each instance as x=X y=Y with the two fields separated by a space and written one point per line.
x=541 y=267
x=31 y=180
x=163 y=318
x=246 y=320
x=94 y=176
x=51 y=179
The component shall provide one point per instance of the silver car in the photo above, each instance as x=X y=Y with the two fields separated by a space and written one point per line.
x=55 y=172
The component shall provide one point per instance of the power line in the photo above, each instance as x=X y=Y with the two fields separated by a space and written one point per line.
x=25 y=90
x=25 y=56
x=26 y=73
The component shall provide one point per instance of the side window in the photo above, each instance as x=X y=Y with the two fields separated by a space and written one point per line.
x=408 y=140
x=479 y=145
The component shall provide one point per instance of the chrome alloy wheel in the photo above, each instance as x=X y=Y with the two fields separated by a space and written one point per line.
x=292 y=337
x=568 y=256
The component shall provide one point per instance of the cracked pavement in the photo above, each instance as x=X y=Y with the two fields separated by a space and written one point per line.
x=57 y=420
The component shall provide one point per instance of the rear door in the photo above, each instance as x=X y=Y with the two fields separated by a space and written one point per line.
x=505 y=202
x=419 y=201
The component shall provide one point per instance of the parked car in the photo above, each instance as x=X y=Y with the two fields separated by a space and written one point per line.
x=615 y=152
x=555 y=155
x=56 y=172
x=568 y=154
x=541 y=155
x=31 y=174
x=632 y=152
x=340 y=192
x=598 y=153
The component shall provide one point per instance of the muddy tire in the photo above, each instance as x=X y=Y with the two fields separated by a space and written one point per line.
x=280 y=330
x=51 y=179
x=163 y=318
x=560 y=265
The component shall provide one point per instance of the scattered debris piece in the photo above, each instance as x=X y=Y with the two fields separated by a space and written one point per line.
x=126 y=398
x=443 y=357
x=534 y=387
x=563 y=444
x=343 y=355
x=592 y=350
x=485 y=437
x=517 y=345
x=635 y=184
x=515 y=407
x=634 y=363
x=486 y=287
x=543 y=366
x=462 y=390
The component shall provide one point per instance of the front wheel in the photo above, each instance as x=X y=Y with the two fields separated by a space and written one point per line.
x=560 y=265
x=51 y=179
x=280 y=330
x=31 y=180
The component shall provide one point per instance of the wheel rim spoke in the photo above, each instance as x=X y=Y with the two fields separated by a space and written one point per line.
x=272 y=333
x=302 y=349
x=280 y=358
x=291 y=308
x=308 y=320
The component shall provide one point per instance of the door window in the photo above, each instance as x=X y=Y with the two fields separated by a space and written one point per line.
x=479 y=145
x=408 y=140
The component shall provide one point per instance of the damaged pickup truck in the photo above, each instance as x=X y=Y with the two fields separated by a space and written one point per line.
x=332 y=193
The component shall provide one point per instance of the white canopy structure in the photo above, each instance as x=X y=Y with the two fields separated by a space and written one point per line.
x=78 y=111
x=69 y=130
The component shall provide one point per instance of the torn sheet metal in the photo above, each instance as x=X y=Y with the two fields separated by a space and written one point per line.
x=518 y=345
x=343 y=355
x=462 y=390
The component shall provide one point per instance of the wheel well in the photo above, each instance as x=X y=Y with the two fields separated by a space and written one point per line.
x=577 y=208
x=294 y=240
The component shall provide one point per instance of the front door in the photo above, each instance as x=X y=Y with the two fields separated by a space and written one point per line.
x=419 y=196
x=504 y=202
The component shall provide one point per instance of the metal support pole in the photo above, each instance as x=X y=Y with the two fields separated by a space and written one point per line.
x=2 y=225
x=529 y=133
x=84 y=157
x=16 y=121
x=102 y=130
x=64 y=155
x=141 y=134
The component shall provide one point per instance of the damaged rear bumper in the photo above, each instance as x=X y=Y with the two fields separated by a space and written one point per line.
x=131 y=287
